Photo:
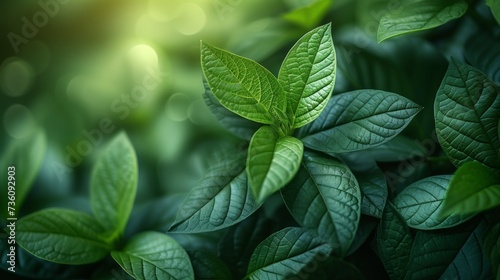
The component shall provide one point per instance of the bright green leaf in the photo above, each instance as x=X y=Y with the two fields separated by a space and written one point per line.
x=394 y=243
x=473 y=188
x=467 y=109
x=495 y=8
x=307 y=75
x=324 y=195
x=220 y=199
x=113 y=185
x=416 y=15
x=62 y=236
x=272 y=161
x=359 y=120
x=310 y=15
x=285 y=253
x=420 y=204
x=154 y=255
x=208 y=266
x=26 y=157
x=242 y=85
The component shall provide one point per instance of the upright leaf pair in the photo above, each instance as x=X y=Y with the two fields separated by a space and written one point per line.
x=296 y=98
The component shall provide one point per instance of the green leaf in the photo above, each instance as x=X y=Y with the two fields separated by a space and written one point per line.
x=154 y=255
x=394 y=243
x=208 y=266
x=285 y=253
x=26 y=156
x=62 y=236
x=467 y=109
x=421 y=204
x=243 y=86
x=307 y=75
x=220 y=199
x=373 y=191
x=359 y=120
x=400 y=148
x=272 y=161
x=365 y=228
x=309 y=15
x=474 y=188
x=495 y=8
x=324 y=195
x=419 y=15
x=235 y=124
x=491 y=245
x=113 y=185
x=482 y=51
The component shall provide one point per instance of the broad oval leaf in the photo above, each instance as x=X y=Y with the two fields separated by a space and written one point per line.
x=358 y=120
x=307 y=75
x=473 y=188
x=62 y=236
x=324 y=195
x=154 y=255
x=242 y=85
x=467 y=109
x=113 y=185
x=285 y=253
x=26 y=156
x=421 y=204
x=272 y=161
x=419 y=15
x=394 y=243
x=220 y=199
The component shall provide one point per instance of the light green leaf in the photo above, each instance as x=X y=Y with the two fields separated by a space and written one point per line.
x=154 y=255
x=285 y=253
x=394 y=243
x=26 y=156
x=113 y=185
x=220 y=199
x=474 y=188
x=495 y=8
x=325 y=196
x=307 y=75
x=208 y=266
x=420 y=204
x=243 y=86
x=359 y=120
x=416 y=15
x=272 y=161
x=62 y=236
x=309 y=15
x=467 y=109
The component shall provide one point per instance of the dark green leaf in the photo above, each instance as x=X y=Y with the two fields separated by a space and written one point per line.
x=307 y=75
x=491 y=245
x=62 y=236
x=285 y=253
x=474 y=188
x=495 y=8
x=400 y=148
x=482 y=50
x=272 y=161
x=208 y=266
x=416 y=15
x=394 y=243
x=359 y=120
x=467 y=109
x=113 y=186
x=324 y=195
x=373 y=191
x=241 y=85
x=365 y=228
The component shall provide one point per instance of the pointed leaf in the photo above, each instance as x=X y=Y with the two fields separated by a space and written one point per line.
x=324 y=195
x=394 y=242
x=26 y=157
x=113 y=185
x=242 y=85
x=421 y=204
x=272 y=161
x=419 y=15
x=307 y=75
x=467 y=109
x=359 y=120
x=474 y=188
x=220 y=199
x=154 y=255
x=62 y=236
x=285 y=253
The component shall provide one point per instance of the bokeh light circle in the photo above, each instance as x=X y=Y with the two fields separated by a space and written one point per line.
x=16 y=77
x=18 y=121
